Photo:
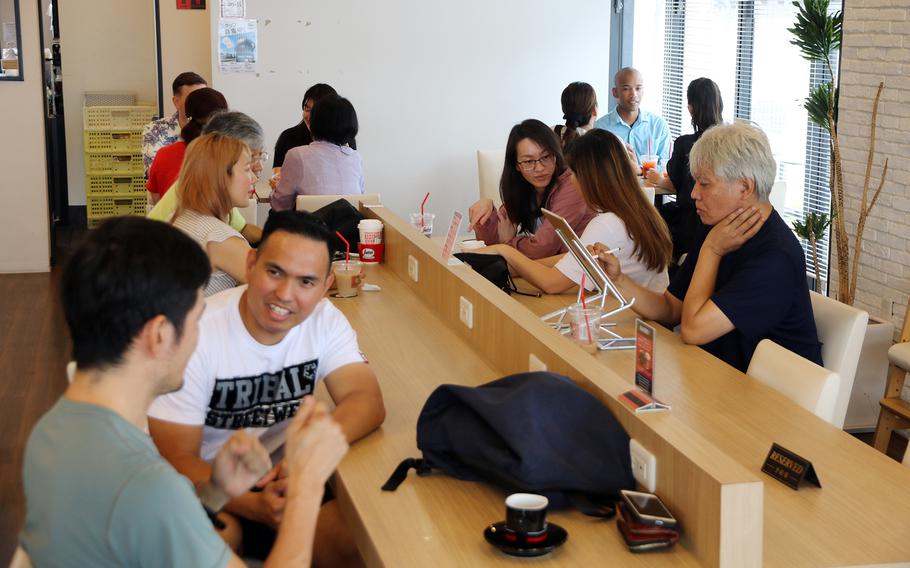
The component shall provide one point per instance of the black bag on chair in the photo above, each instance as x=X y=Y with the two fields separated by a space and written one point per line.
x=494 y=268
x=340 y=215
x=534 y=432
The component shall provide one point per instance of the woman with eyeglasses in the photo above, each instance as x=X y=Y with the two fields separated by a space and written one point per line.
x=534 y=176
x=626 y=221
x=200 y=105
x=328 y=165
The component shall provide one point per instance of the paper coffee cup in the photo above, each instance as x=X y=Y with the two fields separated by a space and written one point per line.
x=370 y=231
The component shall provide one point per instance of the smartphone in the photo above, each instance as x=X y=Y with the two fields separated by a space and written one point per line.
x=648 y=509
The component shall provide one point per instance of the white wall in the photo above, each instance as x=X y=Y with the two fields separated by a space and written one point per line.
x=876 y=47
x=105 y=46
x=23 y=189
x=185 y=44
x=432 y=82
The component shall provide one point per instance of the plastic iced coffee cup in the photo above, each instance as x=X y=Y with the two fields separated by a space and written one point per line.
x=347 y=277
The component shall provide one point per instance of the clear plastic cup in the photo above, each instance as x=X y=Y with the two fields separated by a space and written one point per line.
x=585 y=325
x=347 y=277
x=423 y=222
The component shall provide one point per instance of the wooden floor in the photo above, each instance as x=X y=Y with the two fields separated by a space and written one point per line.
x=34 y=349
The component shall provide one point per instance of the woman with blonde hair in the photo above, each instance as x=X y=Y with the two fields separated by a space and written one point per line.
x=215 y=177
x=626 y=222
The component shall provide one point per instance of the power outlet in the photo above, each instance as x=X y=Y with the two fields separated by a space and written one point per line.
x=412 y=268
x=466 y=312
x=644 y=466
x=535 y=364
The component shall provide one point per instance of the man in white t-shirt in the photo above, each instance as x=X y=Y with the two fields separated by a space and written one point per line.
x=262 y=348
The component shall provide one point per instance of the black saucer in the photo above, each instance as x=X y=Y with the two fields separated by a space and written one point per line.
x=519 y=545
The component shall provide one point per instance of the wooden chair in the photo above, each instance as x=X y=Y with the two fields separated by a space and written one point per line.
x=314 y=202
x=895 y=412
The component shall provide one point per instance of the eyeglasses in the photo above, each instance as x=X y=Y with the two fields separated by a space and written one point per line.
x=260 y=157
x=529 y=165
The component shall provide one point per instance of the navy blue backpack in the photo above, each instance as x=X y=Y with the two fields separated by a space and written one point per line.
x=529 y=432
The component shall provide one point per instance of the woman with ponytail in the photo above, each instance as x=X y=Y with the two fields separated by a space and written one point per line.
x=200 y=105
x=579 y=107
x=706 y=107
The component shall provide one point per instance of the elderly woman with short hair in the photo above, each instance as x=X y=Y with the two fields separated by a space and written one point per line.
x=745 y=279
x=240 y=126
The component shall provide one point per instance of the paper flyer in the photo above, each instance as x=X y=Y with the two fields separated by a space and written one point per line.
x=238 y=47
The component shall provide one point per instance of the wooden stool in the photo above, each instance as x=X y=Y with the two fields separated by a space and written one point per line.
x=895 y=412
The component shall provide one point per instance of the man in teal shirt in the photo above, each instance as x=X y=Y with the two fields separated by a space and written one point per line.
x=643 y=132
x=97 y=491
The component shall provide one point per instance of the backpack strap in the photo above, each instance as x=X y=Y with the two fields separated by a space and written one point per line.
x=600 y=508
x=398 y=476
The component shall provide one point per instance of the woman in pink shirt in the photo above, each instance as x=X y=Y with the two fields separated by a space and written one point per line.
x=534 y=176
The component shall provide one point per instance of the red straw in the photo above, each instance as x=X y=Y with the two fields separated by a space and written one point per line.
x=424 y=202
x=347 y=255
x=585 y=308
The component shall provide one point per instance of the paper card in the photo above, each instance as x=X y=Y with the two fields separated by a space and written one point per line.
x=644 y=356
x=789 y=468
x=233 y=8
x=454 y=227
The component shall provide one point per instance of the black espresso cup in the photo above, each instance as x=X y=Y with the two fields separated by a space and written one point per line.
x=526 y=513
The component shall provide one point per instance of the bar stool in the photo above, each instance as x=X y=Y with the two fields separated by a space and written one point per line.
x=895 y=412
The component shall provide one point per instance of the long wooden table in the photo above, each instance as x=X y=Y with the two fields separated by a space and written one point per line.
x=710 y=446
x=860 y=515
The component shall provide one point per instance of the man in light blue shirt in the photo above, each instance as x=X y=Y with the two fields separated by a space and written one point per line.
x=634 y=126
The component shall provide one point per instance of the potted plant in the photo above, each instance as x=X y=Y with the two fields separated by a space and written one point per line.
x=812 y=229
x=818 y=35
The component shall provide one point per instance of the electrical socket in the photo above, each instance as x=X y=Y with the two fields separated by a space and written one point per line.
x=535 y=364
x=466 y=312
x=644 y=466
x=412 y=268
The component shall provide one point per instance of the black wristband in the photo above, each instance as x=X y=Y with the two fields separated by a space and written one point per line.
x=213 y=516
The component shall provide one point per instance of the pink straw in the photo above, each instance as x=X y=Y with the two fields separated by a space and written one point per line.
x=584 y=307
x=347 y=255
x=649 y=146
x=422 y=203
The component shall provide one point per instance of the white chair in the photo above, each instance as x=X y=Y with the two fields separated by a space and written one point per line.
x=314 y=202
x=20 y=559
x=813 y=387
x=841 y=329
x=778 y=196
x=489 y=171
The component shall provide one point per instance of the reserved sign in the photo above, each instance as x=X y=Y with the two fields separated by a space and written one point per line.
x=789 y=468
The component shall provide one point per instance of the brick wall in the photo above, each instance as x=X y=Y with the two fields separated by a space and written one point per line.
x=876 y=47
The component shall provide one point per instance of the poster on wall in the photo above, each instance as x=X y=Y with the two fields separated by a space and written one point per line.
x=237 y=46
x=191 y=4
x=233 y=8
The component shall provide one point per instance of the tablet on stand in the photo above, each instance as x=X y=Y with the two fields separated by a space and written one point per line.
x=594 y=274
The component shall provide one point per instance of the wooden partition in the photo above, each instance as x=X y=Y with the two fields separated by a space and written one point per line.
x=718 y=501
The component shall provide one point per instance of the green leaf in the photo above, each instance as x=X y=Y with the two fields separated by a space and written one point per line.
x=818 y=102
x=816 y=33
x=813 y=227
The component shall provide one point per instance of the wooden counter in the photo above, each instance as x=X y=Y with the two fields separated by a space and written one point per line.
x=709 y=448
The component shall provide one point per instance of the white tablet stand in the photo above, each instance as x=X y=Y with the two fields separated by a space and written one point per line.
x=594 y=274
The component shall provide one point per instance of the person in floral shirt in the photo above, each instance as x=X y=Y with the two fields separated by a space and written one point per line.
x=166 y=130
